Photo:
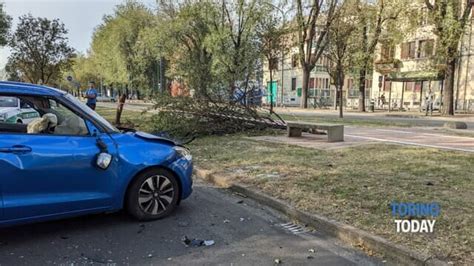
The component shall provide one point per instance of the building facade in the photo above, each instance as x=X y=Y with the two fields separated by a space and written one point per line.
x=287 y=84
x=404 y=74
x=402 y=78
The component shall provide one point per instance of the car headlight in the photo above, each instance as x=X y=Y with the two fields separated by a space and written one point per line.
x=3 y=117
x=183 y=152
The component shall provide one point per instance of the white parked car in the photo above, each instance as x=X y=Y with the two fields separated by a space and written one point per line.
x=105 y=98
x=13 y=110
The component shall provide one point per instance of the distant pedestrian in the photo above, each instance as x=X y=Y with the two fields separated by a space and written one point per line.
x=91 y=95
x=429 y=103
x=382 y=99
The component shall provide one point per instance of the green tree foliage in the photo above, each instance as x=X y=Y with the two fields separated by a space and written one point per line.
x=182 y=32
x=341 y=48
x=273 y=38
x=378 y=22
x=449 y=18
x=313 y=19
x=5 y=24
x=233 y=42
x=212 y=46
x=39 y=50
x=119 y=47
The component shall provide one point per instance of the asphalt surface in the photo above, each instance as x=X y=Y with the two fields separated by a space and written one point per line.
x=422 y=137
x=245 y=233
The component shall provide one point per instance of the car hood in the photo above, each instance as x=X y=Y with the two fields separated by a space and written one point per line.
x=6 y=109
x=154 y=138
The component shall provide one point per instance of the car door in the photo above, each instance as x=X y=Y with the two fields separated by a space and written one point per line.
x=44 y=175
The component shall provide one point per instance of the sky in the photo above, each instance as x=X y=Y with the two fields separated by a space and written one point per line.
x=79 y=16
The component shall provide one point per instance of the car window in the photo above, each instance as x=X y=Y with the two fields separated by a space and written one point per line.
x=110 y=128
x=40 y=115
x=24 y=105
x=6 y=101
x=67 y=122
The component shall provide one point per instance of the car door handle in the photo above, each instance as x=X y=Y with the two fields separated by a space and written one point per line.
x=16 y=149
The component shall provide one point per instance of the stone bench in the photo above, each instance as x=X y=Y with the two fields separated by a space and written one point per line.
x=335 y=132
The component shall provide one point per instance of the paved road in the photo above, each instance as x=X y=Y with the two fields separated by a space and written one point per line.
x=415 y=121
x=258 y=239
x=422 y=137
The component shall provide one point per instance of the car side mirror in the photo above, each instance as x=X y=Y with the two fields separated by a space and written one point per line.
x=103 y=160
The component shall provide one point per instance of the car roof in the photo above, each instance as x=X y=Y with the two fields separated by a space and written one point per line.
x=12 y=87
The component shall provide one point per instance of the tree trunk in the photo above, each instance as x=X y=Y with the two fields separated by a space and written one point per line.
x=404 y=85
x=362 y=76
x=304 y=90
x=448 y=93
x=341 y=102
x=341 y=97
x=120 y=105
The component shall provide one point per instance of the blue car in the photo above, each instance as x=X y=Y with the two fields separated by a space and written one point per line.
x=71 y=161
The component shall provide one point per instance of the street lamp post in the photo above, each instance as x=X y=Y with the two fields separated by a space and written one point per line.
x=283 y=15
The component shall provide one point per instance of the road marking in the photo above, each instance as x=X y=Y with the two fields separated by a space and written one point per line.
x=411 y=143
x=396 y=131
x=448 y=136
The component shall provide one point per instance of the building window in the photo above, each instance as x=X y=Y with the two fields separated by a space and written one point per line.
x=368 y=83
x=350 y=83
x=273 y=64
x=408 y=50
x=409 y=86
x=387 y=53
x=311 y=83
x=293 y=84
x=425 y=48
x=418 y=86
x=423 y=17
x=387 y=86
x=294 y=60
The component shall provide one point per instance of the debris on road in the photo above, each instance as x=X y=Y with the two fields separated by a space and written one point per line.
x=240 y=201
x=197 y=242
x=278 y=261
x=240 y=194
x=311 y=250
x=209 y=242
x=226 y=221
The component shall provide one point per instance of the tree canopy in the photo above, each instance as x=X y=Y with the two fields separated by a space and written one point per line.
x=39 y=50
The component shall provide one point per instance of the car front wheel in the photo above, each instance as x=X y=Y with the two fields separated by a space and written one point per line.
x=152 y=195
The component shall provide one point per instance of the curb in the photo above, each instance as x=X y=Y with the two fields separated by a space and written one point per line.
x=396 y=254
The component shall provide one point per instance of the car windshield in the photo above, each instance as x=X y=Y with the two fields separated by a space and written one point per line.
x=8 y=101
x=92 y=113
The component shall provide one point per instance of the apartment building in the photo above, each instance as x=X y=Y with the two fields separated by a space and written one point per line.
x=404 y=74
x=288 y=82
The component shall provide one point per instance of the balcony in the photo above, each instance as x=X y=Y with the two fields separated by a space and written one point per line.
x=385 y=66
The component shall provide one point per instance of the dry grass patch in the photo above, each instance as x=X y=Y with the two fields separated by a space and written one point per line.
x=356 y=185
